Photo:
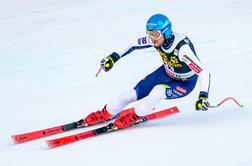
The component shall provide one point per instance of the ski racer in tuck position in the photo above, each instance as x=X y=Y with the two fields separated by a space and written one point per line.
x=176 y=78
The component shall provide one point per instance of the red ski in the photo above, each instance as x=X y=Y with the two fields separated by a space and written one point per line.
x=108 y=128
x=21 y=138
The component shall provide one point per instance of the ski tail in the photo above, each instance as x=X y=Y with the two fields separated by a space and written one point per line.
x=105 y=129
x=163 y=113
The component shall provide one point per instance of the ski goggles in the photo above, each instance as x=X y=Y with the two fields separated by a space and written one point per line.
x=154 y=34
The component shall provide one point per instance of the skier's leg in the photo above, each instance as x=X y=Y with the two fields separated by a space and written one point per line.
x=141 y=90
x=116 y=105
x=147 y=104
x=170 y=90
x=143 y=107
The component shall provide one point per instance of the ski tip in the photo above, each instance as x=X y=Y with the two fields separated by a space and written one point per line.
x=18 y=139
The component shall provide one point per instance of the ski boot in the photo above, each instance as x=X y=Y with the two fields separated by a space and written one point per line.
x=98 y=116
x=126 y=120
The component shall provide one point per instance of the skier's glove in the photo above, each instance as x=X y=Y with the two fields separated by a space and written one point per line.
x=108 y=62
x=202 y=103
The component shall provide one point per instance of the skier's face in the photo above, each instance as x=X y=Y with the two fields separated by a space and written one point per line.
x=158 y=42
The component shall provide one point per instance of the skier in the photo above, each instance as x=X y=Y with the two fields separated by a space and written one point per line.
x=176 y=78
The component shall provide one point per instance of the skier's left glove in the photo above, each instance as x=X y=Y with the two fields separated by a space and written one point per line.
x=202 y=103
x=108 y=62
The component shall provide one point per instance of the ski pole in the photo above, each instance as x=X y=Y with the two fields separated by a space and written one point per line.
x=226 y=99
x=98 y=72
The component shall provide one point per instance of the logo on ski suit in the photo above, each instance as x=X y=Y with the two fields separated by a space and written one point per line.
x=173 y=61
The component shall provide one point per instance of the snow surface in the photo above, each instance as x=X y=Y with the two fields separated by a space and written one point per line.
x=50 y=52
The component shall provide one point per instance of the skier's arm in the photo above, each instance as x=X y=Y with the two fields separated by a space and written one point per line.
x=141 y=43
x=187 y=55
x=108 y=62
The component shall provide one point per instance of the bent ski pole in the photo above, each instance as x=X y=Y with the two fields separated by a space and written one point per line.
x=226 y=99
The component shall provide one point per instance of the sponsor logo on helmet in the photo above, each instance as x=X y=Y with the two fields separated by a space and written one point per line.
x=151 y=24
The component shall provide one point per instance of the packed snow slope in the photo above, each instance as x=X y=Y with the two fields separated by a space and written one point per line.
x=49 y=55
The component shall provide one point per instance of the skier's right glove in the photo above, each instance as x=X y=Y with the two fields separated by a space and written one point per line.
x=108 y=62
